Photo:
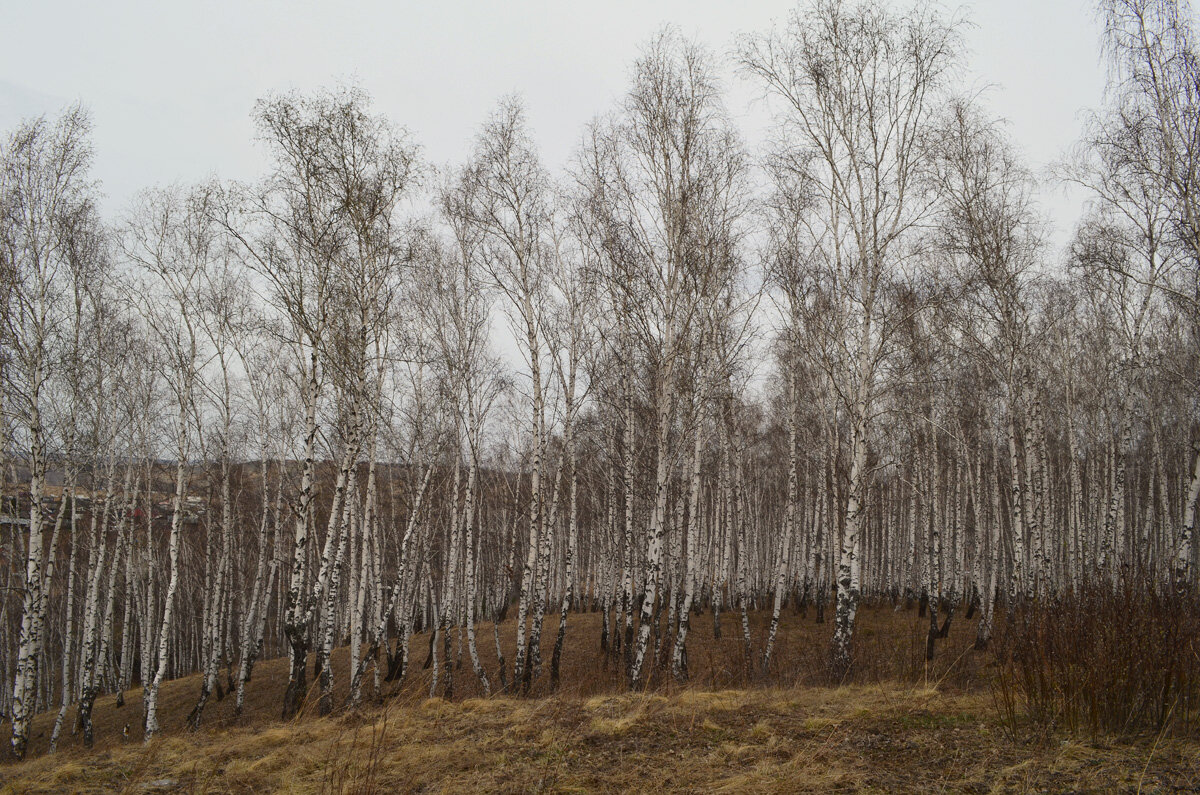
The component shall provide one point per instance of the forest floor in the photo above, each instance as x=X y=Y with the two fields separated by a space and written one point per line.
x=900 y=726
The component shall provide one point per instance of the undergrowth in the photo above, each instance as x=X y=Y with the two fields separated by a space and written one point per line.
x=1101 y=662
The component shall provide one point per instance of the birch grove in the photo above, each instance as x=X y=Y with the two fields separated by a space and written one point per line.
x=368 y=401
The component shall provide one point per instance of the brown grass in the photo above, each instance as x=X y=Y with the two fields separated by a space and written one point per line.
x=883 y=738
x=899 y=727
x=890 y=646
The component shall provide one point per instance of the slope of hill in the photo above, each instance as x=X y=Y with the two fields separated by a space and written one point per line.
x=902 y=727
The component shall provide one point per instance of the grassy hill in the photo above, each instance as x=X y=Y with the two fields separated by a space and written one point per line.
x=901 y=726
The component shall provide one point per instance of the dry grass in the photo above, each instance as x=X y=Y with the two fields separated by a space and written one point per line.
x=890 y=647
x=899 y=727
x=884 y=738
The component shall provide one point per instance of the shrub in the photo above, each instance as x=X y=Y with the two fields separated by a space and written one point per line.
x=1114 y=662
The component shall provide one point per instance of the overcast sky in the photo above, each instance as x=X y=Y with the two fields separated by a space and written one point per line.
x=171 y=85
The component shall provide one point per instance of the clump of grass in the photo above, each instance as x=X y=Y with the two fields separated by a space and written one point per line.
x=353 y=764
x=1101 y=662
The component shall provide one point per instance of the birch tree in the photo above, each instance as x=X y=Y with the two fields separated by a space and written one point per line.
x=667 y=184
x=857 y=86
x=1149 y=138
x=990 y=232
x=47 y=203
x=171 y=238
x=506 y=192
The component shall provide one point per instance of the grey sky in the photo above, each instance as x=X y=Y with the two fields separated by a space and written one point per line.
x=171 y=85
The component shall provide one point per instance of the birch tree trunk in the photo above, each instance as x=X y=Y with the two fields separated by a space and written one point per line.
x=1183 y=551
x=150 y=695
